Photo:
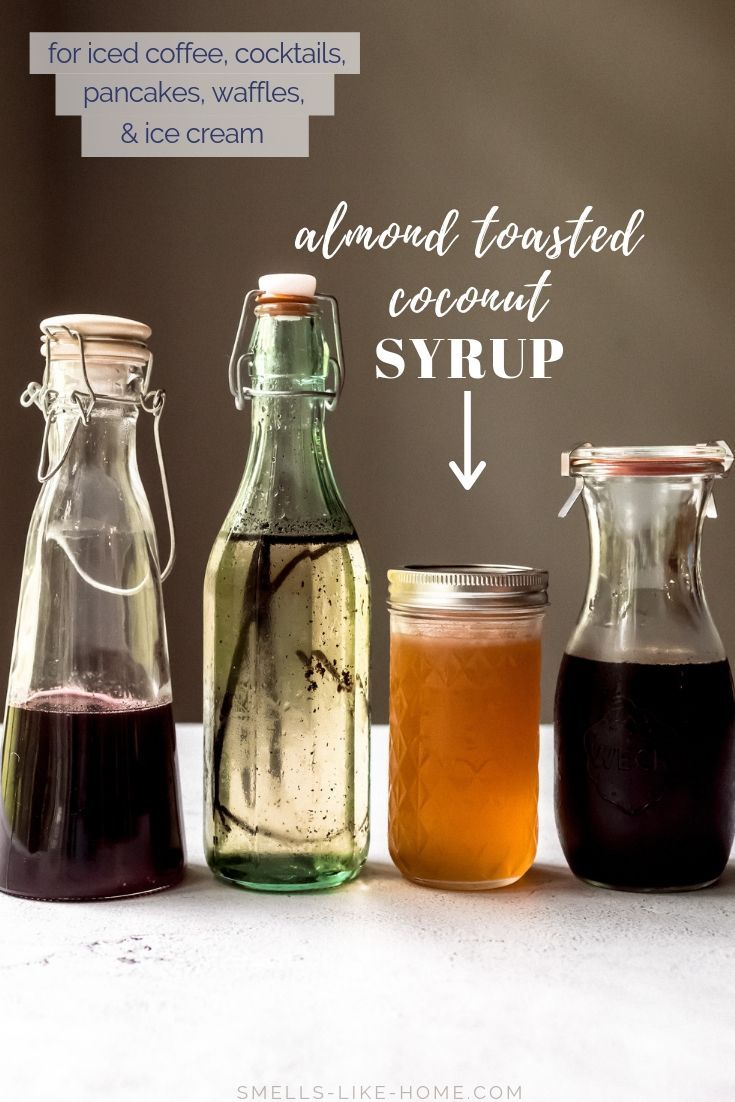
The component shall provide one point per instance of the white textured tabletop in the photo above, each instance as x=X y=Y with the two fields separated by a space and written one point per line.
x=379 y=991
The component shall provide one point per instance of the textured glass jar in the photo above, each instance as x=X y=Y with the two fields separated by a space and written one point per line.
x=90 y=802
x=645 y=713
x=286 y=625
x=464 y=722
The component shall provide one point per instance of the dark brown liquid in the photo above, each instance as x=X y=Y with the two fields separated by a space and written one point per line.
x=645 y=772
x=90 y=801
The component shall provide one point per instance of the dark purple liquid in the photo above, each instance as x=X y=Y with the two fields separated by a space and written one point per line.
x=645 y=772
x=90 y=800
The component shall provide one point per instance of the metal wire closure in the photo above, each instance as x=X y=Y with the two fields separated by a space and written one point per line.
x=339 y=363
x=44 y=397
x=150 y=401
x=153 y=402
x=238 y=360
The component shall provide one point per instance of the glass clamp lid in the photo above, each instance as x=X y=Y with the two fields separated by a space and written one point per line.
x=493 y=588
x=650 y=460
x=711 y=460
x=96 y=336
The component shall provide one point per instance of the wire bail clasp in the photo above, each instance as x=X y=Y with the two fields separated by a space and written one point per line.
x=43 y=396
x=154 y=402
x=239 y=391
x=239 y=361
x=338 y=364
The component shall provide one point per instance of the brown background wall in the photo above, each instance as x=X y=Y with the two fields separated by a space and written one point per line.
x=541 y=107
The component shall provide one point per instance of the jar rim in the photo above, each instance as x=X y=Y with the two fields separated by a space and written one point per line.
x=470 y=587
x=714 y=458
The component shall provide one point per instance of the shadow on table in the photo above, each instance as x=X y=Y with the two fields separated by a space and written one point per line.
x=382 y=875
x=538 y=877
x=726 y=884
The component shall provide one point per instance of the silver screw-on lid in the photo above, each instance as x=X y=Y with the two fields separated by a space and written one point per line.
x=472 y=587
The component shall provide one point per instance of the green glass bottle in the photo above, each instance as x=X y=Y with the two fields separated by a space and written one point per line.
x=287 y=623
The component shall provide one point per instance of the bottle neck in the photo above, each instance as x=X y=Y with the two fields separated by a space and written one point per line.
x=107 y=438
x=288 y=351
x=288 y=487
x=107 y=441
x=645 y=533
x=645 y=600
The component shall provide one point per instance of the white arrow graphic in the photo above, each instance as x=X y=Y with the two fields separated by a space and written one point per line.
x=467 y=476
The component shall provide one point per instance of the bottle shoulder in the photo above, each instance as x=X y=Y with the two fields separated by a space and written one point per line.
x=247 y=521
x=88 y=496
x=649 y=630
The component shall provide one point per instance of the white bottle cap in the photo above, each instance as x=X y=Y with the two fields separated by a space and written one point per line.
x=288 y=283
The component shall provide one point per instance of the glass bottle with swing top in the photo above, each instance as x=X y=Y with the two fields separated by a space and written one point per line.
x=286 y=621
x=89 y=787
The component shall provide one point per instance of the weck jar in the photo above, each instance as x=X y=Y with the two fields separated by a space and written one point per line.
x=645 y=713
x=464 y=722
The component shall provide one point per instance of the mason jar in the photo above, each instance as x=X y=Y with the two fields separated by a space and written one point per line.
x=464 y=722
